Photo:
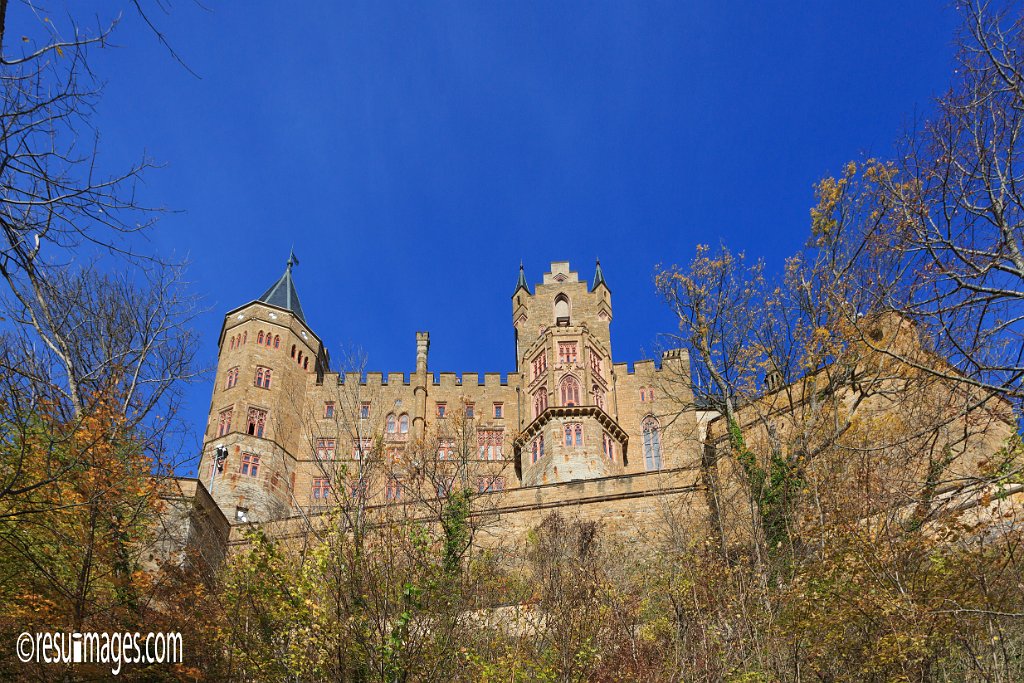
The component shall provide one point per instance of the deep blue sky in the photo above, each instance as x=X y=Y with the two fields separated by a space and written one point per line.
x=414 y=153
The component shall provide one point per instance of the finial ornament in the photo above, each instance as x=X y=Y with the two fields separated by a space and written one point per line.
x=292 y=259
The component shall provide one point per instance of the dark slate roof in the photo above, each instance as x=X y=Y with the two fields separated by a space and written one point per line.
x=522 y=281
x=282 y=293
x=599 y=277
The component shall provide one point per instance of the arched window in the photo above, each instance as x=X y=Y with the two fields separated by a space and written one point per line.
x=391 y=424
x=305 y=363
x=570 y=390
x=245 y=335
x=643 y=394
x=293 y=350
x=277 y=341
x=259 y=377
x=598 y=396
x=403 y=424
x=652 y=443
x=231 y=346
x=266 y=378
x=540 y=401
x=268 y=339
x=574 y=434
x=561 y=310
x=299 y=359
x=259 y=338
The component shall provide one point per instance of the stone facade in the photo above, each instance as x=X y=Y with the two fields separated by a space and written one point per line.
x=294 y=431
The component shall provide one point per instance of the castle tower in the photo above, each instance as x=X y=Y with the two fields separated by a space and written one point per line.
x=563 y=354
x=268 y=358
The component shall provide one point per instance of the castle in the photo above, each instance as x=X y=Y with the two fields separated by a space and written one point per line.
x=566 y=426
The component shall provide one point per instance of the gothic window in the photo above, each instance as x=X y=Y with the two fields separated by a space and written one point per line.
x=403 y=424
x=362 y=448
x=321 y=488
x=299 y=358
x=570 y=390
x=596 y=363
x=537 y=448
x=391 y=424
x=652 y=443
x=540 y=364
x=540 y=401
x=566 y=352
x=224 y=422
x=293 y=350
x=598 y=396
x=499 y=409
x=488 y=484
x=263 y=377
x=269 y=341
x=444 y=487
x=329 y=410
x=257 y=422
x=245 y=336
x=231 y=346
x=650 y=394
x=446 y=449
x=357 y=488
x=325 y=449
x=393 y=491
x=574 y=434
x=305 y=364
x=561 y=310
x=608 y=446
x=250 y=464
x=277 y=341
x=259 y=338
x=231 y=378
x=489 y=442
x=643 y=394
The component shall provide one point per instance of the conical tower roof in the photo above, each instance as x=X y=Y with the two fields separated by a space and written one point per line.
x=282 y=293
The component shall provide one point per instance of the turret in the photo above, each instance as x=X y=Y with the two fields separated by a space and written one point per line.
x=267 y=358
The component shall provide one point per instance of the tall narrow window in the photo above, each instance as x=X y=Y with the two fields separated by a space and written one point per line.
x=224 y=422
x=540 y=401
x=268 y=339
x=293 y=350
x=596 y=363
x=325 y=449
x=250 y=464
x=570 y=390
x=561 y=310
x=391 y=424
x=259 y=338
x=540 y=364
x=393 y=491
x=329 y=410
x=231 y=346
x=598 y=397
x=499 y=411
x=652 y=443
x=263 y=377
x=257 y=422
x=573 y=434
x=245 y=335
x=537 y=448
x=277 y=341
x=608 y=446
x=364 y=410
x=305 y=364
x=469 y=411
x=403 y=424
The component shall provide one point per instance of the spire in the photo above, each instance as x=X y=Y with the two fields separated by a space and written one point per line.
x=282 y=293
x=599 y=278
x=522 y=281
